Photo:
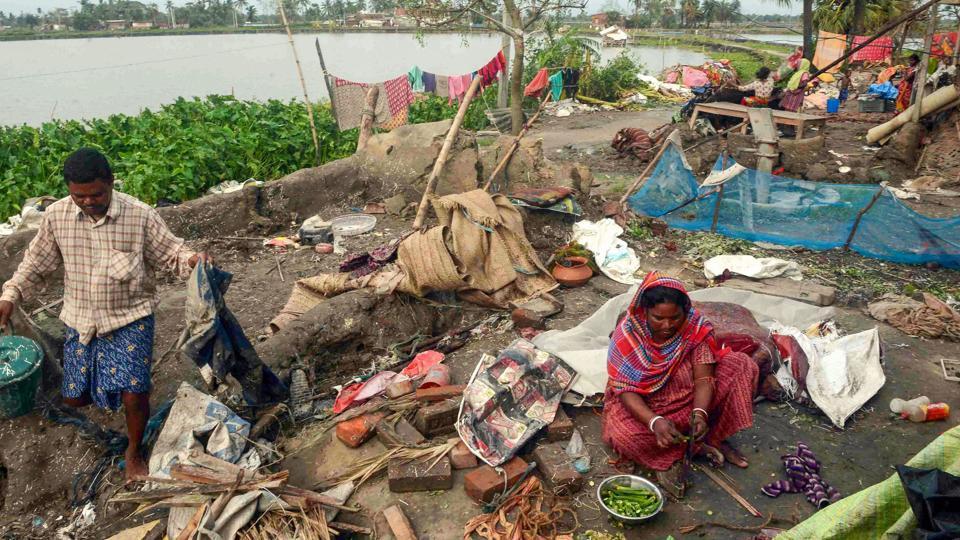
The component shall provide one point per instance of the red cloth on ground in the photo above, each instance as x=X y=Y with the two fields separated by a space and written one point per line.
x=880 y=50
x=539 y=82
x=730 y=412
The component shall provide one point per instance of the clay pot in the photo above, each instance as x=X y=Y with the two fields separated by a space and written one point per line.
x=572 y=271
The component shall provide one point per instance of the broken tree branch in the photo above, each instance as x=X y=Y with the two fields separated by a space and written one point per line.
x=444 y=151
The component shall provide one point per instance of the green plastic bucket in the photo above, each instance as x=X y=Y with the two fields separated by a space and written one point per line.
x=20 y=360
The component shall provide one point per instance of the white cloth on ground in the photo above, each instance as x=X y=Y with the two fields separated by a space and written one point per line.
x=615 y=258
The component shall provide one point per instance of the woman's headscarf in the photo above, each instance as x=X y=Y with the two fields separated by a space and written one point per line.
x=634 y=362
x=797 y=78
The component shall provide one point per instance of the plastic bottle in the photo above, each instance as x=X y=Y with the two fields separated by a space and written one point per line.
x=926 y=413
x=897 y=405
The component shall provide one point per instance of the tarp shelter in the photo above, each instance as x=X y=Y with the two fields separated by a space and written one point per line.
x=759 y=206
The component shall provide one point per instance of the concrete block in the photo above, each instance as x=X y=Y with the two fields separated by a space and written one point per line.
x=557 y=467
x=417 y=475
x=437 y=418
x=561 y=429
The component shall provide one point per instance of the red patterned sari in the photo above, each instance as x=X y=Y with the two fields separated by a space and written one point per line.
x=662 y=374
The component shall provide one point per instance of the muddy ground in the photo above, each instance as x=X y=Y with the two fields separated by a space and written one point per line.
x=41 y=457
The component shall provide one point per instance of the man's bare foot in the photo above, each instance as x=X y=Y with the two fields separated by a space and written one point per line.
x=136 y=467
x=733 y=455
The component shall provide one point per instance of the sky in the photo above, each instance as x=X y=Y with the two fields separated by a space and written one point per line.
x=753 y=7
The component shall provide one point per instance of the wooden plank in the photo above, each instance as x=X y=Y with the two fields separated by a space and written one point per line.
x=803 y=291
x=399 y=523
x=765 y=133
x=440 y=393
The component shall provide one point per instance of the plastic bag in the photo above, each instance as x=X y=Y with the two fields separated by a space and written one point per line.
x=578 y=453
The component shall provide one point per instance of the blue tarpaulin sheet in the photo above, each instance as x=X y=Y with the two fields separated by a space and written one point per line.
x=759 y=206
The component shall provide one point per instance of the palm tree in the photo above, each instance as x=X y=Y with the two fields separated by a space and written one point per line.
x=807 y=25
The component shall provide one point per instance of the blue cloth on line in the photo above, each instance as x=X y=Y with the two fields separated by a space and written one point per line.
x=109 y=364
x=556 y=85
x=429 y=82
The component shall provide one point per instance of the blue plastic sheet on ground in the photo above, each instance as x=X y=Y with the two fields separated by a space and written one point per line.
x=885 y=90
x=759 y=206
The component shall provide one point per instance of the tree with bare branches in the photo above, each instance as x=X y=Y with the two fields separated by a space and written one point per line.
x=522 y=17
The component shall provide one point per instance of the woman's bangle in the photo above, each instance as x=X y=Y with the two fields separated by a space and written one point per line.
x=653 y=421
x=706 y=415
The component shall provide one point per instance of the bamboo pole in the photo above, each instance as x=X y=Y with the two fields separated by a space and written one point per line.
x=444 y=150
x=326 y=78
x=920 y=76
x=368 y=116
x=516 y=143
x=303 y=84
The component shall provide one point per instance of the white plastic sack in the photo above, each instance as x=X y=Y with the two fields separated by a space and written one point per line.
x=194 y=416
x=584 y=347
x=844 y=372
x=751 y=267
x=616 y=260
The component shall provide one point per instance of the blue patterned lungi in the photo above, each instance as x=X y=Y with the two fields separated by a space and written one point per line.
x=111 y=364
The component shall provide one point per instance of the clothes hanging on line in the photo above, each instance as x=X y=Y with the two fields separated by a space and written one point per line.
x=429 y=83
x=415 y=76
x=556 y=85
x=571 y=81
x=538 y=83
x=880 y=50
x=443 y=86
x=348 y=99
x=830 y=47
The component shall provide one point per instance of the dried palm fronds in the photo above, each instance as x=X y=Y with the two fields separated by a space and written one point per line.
x=365 y=469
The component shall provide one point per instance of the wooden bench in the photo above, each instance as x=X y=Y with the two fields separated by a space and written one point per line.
x=800 y=121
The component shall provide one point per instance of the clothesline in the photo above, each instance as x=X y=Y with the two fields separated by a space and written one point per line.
x=396 y=94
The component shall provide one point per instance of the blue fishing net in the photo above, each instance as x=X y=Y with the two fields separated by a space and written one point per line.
x=759 y=206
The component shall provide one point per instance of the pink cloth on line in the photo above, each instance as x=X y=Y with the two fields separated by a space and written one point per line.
x=879 y=51
x=459 y=86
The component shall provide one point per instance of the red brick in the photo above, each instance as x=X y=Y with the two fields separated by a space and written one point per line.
x=357 y=431
x=400 y=388
x=440 y=393
x=399 y=524
x=561 y=429
x=417 y=475
x=461 y=457
x=557 y=467
x=399 y=433
x=437 y=418
x=484 y=483
x=524 y=318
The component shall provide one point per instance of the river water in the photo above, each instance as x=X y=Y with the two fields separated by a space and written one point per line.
x=88 y=78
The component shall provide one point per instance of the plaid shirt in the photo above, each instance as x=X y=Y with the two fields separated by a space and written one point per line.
x=105 y=263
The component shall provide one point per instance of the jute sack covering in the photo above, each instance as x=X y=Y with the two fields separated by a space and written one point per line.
x=476 y=244
x=930 y=318
x=427 y=265
x=310 y=292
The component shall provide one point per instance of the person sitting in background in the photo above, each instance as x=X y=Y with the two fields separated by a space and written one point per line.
x=762 y=88
x=669 y=377
x=792 y=98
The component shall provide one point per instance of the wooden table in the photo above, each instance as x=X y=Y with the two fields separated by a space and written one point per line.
x=800 y=121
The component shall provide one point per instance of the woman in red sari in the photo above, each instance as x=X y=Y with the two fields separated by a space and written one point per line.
x=665 y=368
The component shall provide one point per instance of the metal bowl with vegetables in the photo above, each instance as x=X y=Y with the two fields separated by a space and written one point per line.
x=629 y=498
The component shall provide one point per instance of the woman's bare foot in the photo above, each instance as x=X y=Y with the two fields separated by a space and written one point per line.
x=136 y=467
x=733 y=455
x=715 y=456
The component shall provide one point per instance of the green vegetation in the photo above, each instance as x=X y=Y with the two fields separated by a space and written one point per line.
x=434 y=108
x=188 y=146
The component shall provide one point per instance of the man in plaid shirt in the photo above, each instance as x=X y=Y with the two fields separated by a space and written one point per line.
x=109 y=244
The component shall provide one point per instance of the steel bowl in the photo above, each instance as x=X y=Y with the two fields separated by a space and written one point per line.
x=632 y=481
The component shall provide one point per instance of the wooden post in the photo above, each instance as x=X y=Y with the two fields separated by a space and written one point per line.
x=503 y=91
x=516 y=144
x=856 y=223
x=920 y=77
x=444 y=150
x=303 y=84
x=326 y=79
x=716 y=205
x=368 y=116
